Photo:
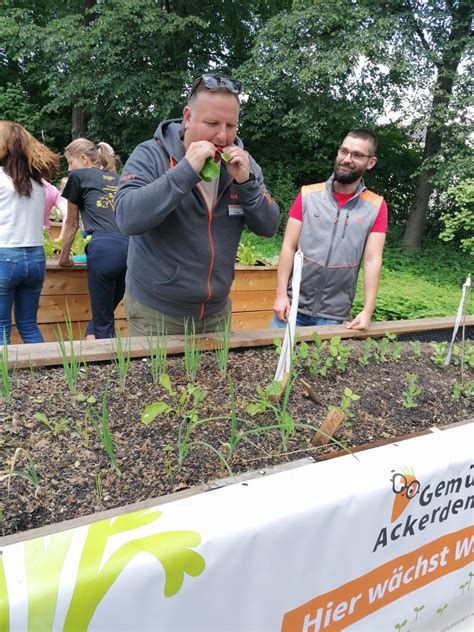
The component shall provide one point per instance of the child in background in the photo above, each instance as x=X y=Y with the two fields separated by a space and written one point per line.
x=53 y=197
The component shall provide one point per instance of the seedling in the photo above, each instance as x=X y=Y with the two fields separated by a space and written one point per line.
x=192 y=352
x=412 y=391
x=98 y=487
x=54 y=427
x=399 y=626
x=416 y=348
x=5 y=377
x=30 y=473
x=346 y=402
x=222 y=345
x=158 y=352
x=100 y=421
x=367 y=351
x=439 y=352
x=418 y=610
x=122 y=360
x=70 y=361
x=442 y=609
x=466 y=390
x=382 y=348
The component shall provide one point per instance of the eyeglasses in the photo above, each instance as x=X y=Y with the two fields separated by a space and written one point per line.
x=400 y=484
x=356 y=155
x=214 y=83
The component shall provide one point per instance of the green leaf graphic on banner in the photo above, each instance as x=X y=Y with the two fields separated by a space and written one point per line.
x=95 y=577
x=4 y=607
x=43 y=566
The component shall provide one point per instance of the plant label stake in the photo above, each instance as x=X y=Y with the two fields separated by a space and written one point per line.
x=284 y=365
x=331 y=423
x=465 y=291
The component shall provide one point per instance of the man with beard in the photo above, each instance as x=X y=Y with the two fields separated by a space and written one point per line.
x=334 y=224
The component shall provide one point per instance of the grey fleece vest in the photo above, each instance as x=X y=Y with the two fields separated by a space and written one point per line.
x=332 y=240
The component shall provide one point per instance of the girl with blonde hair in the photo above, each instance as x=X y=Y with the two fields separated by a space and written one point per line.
x=90 y=192
x=24 y=162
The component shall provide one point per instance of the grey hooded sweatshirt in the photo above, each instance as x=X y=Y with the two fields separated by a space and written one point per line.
x=181 y=254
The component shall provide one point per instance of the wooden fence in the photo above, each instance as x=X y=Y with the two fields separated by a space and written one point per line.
x=252 y=294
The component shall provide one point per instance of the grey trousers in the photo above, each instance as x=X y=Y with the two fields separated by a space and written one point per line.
x=146 y=321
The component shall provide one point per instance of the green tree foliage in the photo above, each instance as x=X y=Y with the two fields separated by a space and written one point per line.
x=315 y=72
x=460 y=225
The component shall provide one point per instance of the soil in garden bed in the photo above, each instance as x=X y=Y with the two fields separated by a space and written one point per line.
x=76 y=476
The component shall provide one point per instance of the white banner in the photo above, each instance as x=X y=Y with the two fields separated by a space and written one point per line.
x=378 y=543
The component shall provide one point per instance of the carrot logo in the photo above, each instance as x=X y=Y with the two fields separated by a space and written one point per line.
x=405 y=487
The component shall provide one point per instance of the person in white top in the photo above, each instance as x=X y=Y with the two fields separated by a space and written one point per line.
x=24 y=162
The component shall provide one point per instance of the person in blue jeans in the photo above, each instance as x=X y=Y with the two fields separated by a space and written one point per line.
x=90 y=191
x=23 y=163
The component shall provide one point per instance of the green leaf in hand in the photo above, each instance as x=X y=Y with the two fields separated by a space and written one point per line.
x=210 y=171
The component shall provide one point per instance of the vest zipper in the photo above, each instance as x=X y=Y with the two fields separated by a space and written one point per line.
x=346 y=221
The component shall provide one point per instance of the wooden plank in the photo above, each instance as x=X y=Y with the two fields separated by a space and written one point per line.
x=252 y=301
x=46 y=354
x=248 y=278
x=251 y=320
x=62 y=281
x=55 y=229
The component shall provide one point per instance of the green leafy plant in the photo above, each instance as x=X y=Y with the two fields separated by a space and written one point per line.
x=442 y=609
x=399 y=626
x=366 y=354
x=346 y=402
x=78 y=246
x=51 y=247
x=412 y=391
x=439 y=352
x=30 y=473
x=416 y=348
x=192 y=351
x=460 y=389
x=54 y=427
x=383 y=347
x=70 y=361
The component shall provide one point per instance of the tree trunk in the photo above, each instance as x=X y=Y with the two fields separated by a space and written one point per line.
x=79 y=120
x=78 y=129
x=447 y=69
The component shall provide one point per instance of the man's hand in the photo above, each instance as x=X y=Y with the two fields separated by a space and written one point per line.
x=361 y=321
x=281 y=308
x=238 y=165
x=198 y=153
x=66 y=262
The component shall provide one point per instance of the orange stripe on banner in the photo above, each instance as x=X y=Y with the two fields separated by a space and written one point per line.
x=339 y=608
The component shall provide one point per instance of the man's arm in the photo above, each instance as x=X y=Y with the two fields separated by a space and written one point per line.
x=72 y=224
x=149 y=191
x=281 y=307
x=372 y=267
x=262 y=213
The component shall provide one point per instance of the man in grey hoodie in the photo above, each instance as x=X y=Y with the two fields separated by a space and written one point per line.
x=184 y=230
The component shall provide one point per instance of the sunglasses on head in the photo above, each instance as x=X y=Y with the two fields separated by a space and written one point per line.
x=214 y=83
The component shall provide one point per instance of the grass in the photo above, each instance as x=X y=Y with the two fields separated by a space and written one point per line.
x=424 y=284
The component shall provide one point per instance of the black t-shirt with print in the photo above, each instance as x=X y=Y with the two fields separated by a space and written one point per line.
x=93 y=191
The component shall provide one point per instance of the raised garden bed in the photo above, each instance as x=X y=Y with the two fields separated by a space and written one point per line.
x=65 y=470
x=252 y=294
